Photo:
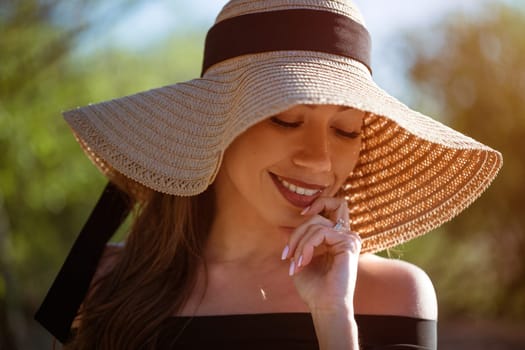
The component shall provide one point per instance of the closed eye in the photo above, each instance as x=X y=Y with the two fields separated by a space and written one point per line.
x=348 y=134
x=285 y=124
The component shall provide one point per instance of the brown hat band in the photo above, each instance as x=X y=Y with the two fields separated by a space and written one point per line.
x=302 y=29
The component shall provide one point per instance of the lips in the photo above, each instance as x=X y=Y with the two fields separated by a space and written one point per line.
x=298 y=193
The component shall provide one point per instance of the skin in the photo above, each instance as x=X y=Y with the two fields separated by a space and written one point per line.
x=279 y=257
x=254 y=223
x=247 y=198
x=311 y=145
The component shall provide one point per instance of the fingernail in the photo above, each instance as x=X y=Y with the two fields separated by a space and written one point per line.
x=300 y=261
x=284 y=254
x=305 y=210
x=292 y=268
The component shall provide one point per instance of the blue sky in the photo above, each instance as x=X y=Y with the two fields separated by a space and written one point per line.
x=157 y=18
x=385 y=19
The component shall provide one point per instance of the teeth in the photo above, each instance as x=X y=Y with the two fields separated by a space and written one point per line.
x=299 y=190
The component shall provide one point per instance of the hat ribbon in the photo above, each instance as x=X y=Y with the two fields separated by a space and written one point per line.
x=63 y=300
x=299 y=29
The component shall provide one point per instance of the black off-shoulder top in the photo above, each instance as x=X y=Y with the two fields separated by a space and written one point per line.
x=273 y=331
x=290 y=331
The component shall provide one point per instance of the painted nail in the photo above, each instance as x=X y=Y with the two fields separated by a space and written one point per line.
x=300 y=261
x=284 y=254
x=305 y=210
x=292 y=268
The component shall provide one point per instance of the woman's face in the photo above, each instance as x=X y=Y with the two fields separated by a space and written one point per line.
x=280 y=165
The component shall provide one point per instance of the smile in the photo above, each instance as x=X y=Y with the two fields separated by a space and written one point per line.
x=297 y=193
x=297 y=189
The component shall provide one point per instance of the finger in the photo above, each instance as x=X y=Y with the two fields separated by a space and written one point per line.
x=317 y=245
x=355 y=242
x=311 y=240
x=333 y=207
x=314 y=221
x=335 y=243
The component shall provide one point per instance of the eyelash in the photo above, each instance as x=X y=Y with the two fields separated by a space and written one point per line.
x=282 y=123
x=285 y=124
x=349 y=135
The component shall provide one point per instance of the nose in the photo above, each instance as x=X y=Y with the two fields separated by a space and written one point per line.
x=314 y=153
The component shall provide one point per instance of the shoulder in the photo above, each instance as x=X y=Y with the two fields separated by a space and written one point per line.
x=394 y=287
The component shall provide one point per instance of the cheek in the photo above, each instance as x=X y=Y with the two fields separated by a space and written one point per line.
x=260 y=145
x=249 y=153
x=345 y=162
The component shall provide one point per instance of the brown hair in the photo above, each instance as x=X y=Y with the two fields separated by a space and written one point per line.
x=154 y=274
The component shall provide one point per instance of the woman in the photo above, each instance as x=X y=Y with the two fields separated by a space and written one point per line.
x=261 y=190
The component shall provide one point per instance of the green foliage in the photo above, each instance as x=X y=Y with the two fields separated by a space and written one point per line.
x=47 y=185
x=474 y=68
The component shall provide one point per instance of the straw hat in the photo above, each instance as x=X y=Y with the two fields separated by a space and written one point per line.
x=261 y=58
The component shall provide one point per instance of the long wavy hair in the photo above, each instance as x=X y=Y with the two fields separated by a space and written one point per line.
x=153 y=276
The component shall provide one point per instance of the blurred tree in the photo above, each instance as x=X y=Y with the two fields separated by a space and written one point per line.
x=46 y=186
x=38 y=34
x=473 y=70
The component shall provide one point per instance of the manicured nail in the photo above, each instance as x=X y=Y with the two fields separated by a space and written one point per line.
x=284 y=255
x=300 y=261
x=305 y=210
x=292 y=268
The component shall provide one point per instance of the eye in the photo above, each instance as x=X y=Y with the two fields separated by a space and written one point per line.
x=285 y=124
x=348 y=134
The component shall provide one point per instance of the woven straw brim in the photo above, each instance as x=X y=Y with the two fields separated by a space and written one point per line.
x=413 y=174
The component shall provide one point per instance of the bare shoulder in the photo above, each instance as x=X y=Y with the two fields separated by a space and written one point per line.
x=394 y=287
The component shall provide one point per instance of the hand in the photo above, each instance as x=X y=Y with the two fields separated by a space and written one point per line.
x=323 y=258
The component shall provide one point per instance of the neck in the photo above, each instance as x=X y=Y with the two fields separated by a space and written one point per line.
x=241 y=239
x=239 y=235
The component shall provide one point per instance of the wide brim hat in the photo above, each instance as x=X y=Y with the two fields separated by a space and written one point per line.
x=261 y=58
x=413 y=174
